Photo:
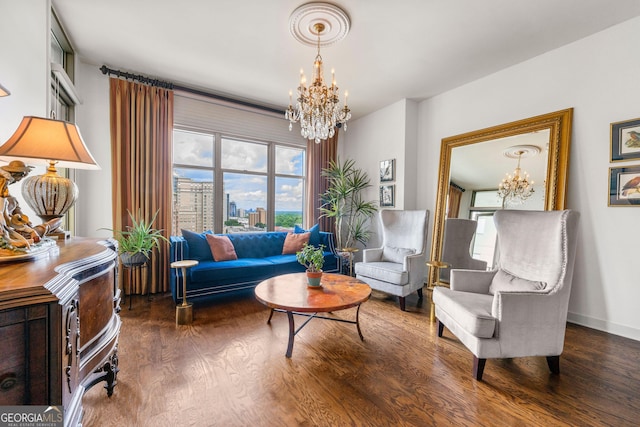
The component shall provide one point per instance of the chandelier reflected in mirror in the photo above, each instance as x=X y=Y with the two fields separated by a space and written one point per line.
x=317 y=106
x=516 y=188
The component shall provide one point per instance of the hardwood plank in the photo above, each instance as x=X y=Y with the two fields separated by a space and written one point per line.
x=229 y=369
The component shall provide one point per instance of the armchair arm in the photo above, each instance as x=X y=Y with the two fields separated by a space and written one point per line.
x=537 y=315
x=476 y=281
x=372 y=255
x=416 y=266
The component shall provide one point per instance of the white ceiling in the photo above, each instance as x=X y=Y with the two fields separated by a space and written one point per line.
x=395 y=49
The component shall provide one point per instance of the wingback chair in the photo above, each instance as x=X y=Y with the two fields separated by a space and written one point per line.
x=398 y=267
x=458 y=234
x=520 y=309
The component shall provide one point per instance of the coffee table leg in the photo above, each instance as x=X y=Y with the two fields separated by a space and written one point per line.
x=292 y=333
x=270 y=316
x=358 y=323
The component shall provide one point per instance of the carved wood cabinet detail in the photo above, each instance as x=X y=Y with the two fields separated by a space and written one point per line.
x=59 y=326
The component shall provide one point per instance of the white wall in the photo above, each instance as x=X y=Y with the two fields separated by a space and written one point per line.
x=95 y=200
x=24 y=43
x=598 y=77
x=389 y=133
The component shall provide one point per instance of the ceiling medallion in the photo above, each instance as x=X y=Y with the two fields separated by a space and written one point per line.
x=318 y=105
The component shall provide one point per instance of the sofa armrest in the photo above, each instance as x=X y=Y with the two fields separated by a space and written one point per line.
x=476 y=281
x=179 y=248
x=372 y=255
x=327 y=239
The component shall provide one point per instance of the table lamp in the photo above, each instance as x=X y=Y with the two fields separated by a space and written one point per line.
x=40 y=140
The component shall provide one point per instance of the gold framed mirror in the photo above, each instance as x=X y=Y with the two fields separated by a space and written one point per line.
x=480 y=159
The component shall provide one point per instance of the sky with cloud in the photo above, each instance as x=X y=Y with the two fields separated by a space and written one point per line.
x=247 y=190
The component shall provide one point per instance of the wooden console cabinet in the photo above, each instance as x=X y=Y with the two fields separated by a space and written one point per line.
x=59 y=326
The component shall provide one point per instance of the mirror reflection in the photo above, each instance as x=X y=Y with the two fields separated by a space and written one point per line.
x=502 y=173
x=518 y=165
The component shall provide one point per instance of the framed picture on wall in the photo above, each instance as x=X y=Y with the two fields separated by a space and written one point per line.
x=387 y=196
x=624 y=186
x=388 y=170
x=625 y=140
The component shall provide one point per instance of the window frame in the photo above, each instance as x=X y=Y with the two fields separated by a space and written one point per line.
x=218 y=173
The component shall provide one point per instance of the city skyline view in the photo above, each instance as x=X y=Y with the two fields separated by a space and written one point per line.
x=245 y=165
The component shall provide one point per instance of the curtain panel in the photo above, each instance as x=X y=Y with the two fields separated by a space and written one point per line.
x=141 y=120
x=455 y=196
x=318 y=158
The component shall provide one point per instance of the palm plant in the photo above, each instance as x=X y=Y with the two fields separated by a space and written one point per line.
x=343 y=201
x=139 y=238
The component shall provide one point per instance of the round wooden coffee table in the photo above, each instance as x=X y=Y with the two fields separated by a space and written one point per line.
x=290 y=294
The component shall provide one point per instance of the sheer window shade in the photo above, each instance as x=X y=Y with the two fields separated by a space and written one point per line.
x=198 y=112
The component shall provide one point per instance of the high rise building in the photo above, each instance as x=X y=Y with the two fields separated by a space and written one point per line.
x=262 y=215
x=233 y=210
x=192 y=205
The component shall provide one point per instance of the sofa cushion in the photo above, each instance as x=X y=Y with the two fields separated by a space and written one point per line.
x=314 y=237
x=239 y=270
x=390 y=272
x=199 y=249
x=294 y=242
x=471 y=311
x=504 y=281
x=391 y=254
x=221 y=247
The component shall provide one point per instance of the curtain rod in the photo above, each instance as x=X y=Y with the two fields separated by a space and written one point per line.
x=454 y=185
x=168 y=85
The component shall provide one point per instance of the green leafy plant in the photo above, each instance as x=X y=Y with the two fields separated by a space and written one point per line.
x=140 y=237
x=311 y=257
x=344 y=202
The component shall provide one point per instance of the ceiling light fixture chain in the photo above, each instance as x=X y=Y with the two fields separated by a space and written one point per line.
x=317 y=105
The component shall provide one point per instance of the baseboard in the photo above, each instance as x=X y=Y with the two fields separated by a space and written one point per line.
x=603 y=325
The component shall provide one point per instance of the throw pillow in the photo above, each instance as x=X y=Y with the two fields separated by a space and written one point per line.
x=221 y=248
x=294 y=242
x=198 y=248
x=314 y=238
x=397 y=255
x=507 y=282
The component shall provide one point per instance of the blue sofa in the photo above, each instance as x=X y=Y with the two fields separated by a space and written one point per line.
x=259 y=258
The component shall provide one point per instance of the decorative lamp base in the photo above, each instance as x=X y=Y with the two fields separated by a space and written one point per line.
x=184 y=314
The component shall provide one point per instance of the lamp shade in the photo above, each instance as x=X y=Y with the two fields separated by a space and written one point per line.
x=41 y=140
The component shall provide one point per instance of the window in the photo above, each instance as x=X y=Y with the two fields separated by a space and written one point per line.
x=249 y=186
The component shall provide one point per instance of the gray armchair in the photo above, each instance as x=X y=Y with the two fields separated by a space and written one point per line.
x=398 y=267
x=456 y=248
x=520 y=309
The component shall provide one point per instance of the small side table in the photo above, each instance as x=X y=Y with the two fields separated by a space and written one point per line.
x=184 y=312
x=351 y=252
x=437 y=265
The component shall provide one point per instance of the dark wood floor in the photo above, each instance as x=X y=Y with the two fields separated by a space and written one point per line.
x=229 y=369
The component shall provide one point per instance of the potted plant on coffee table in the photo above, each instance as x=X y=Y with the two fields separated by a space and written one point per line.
x=312 y=257
x=136 y=243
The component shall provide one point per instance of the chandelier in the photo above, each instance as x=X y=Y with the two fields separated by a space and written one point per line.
x=318 y=105
x=515 y=189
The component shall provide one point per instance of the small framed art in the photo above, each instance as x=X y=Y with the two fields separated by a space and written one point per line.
x=624 y=186
x=387 y=195
x=625 y=140
x=388 y=170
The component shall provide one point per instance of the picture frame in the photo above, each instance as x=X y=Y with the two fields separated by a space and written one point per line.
x=624 y=186
x=388 y=170
x=387 y=195
x=625 y=140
